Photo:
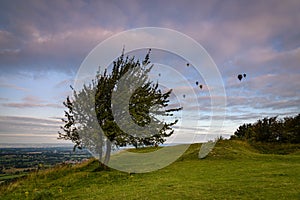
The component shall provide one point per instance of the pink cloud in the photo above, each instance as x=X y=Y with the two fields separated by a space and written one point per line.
x=31 y=101
x=12 y=86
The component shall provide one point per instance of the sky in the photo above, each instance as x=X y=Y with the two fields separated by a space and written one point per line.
x=43 y=43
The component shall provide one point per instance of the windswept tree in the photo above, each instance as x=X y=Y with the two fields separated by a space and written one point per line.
x=117 y=109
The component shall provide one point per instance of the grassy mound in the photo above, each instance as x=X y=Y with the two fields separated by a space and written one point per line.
x=276 y=148
x=233 y=170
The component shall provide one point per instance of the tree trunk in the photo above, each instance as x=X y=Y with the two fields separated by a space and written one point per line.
x=99 y=147
x=107 y=153
x=99 y=152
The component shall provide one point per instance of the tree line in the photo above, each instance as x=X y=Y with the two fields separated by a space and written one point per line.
x=272 y=130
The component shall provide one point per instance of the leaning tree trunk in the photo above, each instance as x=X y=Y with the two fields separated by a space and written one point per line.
x=100 y=144
x=99 y=151
x=108 y=151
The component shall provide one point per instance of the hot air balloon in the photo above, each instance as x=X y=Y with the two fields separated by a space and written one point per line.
x=197 y=82
x=244 y=75
x=159 y=74
x=183 y=96
x=240 y=76
x=200 y=87
x=187 y=64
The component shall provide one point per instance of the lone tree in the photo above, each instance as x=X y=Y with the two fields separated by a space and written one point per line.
x=106 y=100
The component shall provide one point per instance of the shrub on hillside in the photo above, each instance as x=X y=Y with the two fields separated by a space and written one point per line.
x=271 y=130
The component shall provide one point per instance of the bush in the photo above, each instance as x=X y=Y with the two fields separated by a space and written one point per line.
x=271 y=130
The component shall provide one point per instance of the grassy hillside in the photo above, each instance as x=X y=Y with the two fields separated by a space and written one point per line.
x=233 y=170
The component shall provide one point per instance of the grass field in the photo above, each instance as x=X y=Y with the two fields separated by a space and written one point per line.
x=233 y=170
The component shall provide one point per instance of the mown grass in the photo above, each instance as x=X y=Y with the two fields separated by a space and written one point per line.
x=233 y=170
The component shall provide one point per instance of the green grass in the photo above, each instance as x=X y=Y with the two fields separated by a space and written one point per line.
x=4 y=177
x=274 y=148
x=233 y=170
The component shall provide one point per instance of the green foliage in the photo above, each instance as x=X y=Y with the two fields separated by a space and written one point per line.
x=233 y=170
x=271 y=130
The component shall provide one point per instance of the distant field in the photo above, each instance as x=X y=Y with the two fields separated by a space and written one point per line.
x=19 y=161
x=233 y=170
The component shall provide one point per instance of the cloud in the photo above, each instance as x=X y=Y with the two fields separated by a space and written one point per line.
x=29 y=120
x=268 y=60
x=17 y=129
x=279 y=104
x=11 y=125
x=277 y=85
x=31 y=105
x=53 y=35
x=237 y=27
x=8 y=43
x=256 y=104
x=13 y=86
x=31 y=102
x=58 y=35
x=4 y=99
x=62 y=51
